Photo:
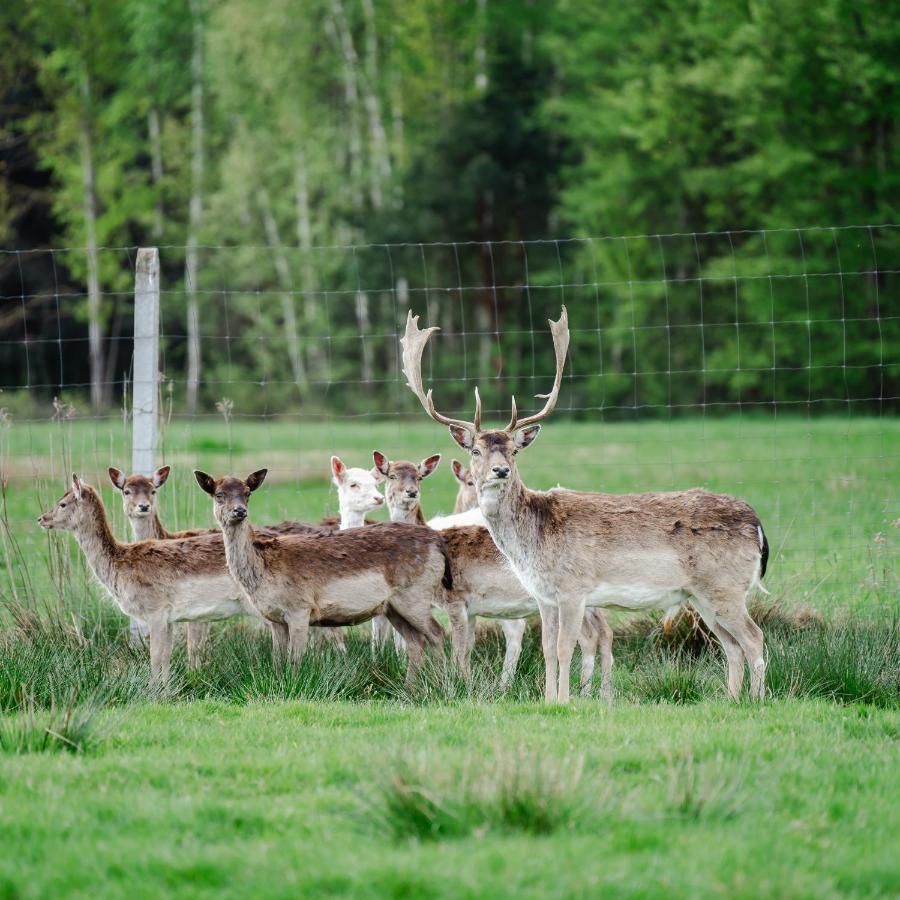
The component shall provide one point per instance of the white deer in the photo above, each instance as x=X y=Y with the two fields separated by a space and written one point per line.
x=571 y=549
x=483 y=579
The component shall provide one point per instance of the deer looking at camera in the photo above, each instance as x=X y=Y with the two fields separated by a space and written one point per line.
x=139 y=502
x=343 y=578
x=158 y=582
x=466 y=495
x=634 y=551
x=484 y=582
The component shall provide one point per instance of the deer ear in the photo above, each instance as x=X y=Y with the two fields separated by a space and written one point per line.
x=256 y=479
x=117 y=478
x=382 y=465
x=465 y=437
x=526 y=436
x=457 y=467
x=207 y=482
x=77 y=487
x=338 y=469
x=160 y=476
x=427 y=466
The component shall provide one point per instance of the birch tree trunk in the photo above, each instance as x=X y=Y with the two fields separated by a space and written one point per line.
x=156 y=169
x=195 y=210
x=283 y=270
x=334 y=24
x=305 y=242
x=481 y=75
x=381 y=160
x=95 y=344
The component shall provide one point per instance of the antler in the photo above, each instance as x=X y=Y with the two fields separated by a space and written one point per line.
x=413 y=343
x=560 y=331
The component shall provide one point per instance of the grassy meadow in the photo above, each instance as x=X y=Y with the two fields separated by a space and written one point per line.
x=250 y=778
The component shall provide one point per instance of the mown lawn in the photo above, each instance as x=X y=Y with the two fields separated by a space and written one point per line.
x=789 y=798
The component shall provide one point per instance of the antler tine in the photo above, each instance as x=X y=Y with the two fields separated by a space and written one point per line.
x=477 y=422
x=413 y=343
x=560 y=332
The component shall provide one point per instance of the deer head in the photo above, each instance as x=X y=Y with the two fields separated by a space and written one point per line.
x=138 y=491
x=402 y=482
x=69 y=511
x=357 y=488
x=466 y=497
x=231 y=495
x=493 y=452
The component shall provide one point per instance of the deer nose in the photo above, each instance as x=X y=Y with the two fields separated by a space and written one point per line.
x=412 y=494
x=144 y=507
x=501 y=471
x=239 y=512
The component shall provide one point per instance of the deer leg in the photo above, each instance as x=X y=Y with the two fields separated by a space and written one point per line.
x=298 y=633
x=602 y=639
x=750 y=638
x=459 y=635
x=197 y=636
x=380 y=629
x=470 y=639
x=587 y=641
x=571 y=615
x=334 y=637
x=513 y=630
x=415 y=643
x=279 y=633
x=162 y=638
x=549 y=636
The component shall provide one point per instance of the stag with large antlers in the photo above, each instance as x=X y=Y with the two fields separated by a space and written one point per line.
x=634 y=551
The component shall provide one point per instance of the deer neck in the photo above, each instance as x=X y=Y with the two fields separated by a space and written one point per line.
x=148 y=528
x=352 y=519
x=510 y=520
x=100 y=548
x=245 y=563
x=408 y=516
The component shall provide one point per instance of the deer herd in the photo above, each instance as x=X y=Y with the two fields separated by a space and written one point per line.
x=506 y=553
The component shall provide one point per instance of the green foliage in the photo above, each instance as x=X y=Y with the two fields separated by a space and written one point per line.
x=333 y=123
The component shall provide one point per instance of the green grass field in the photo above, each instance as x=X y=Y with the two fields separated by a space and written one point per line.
x=249 y=779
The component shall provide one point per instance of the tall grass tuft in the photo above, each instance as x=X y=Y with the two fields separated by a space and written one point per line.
x=72 y=726
x=511 y=793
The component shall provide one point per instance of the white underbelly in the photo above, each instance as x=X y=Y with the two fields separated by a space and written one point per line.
x=498 y=606
x=353 y=597
x=205 y=600
x=634 y=596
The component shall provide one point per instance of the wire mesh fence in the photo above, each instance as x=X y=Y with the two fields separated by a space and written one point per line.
x=759 y=363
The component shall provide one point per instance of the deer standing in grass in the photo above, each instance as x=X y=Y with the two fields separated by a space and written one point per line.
x=358 y=494
x=635 y=551
x=483 y=580
x=343 y=578
x=139 y=503
x=158 y=582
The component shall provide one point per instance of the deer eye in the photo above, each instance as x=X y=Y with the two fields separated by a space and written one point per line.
x=220 y=497
x=127 y=493
x=392 y=477
x=152 y=493
x=62 y=505
x=354 y=486
x=470 y=483
x=476 y=451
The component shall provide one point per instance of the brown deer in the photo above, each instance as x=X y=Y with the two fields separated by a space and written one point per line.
x=342 y=578
x=158 y=582
x=139 y=503
x=466 y=496
x=484 y=582
x=635 y=551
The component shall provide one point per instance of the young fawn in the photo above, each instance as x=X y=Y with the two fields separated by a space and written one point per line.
x=343 y=578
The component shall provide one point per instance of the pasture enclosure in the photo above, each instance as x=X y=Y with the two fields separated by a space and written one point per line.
x=763 y=364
